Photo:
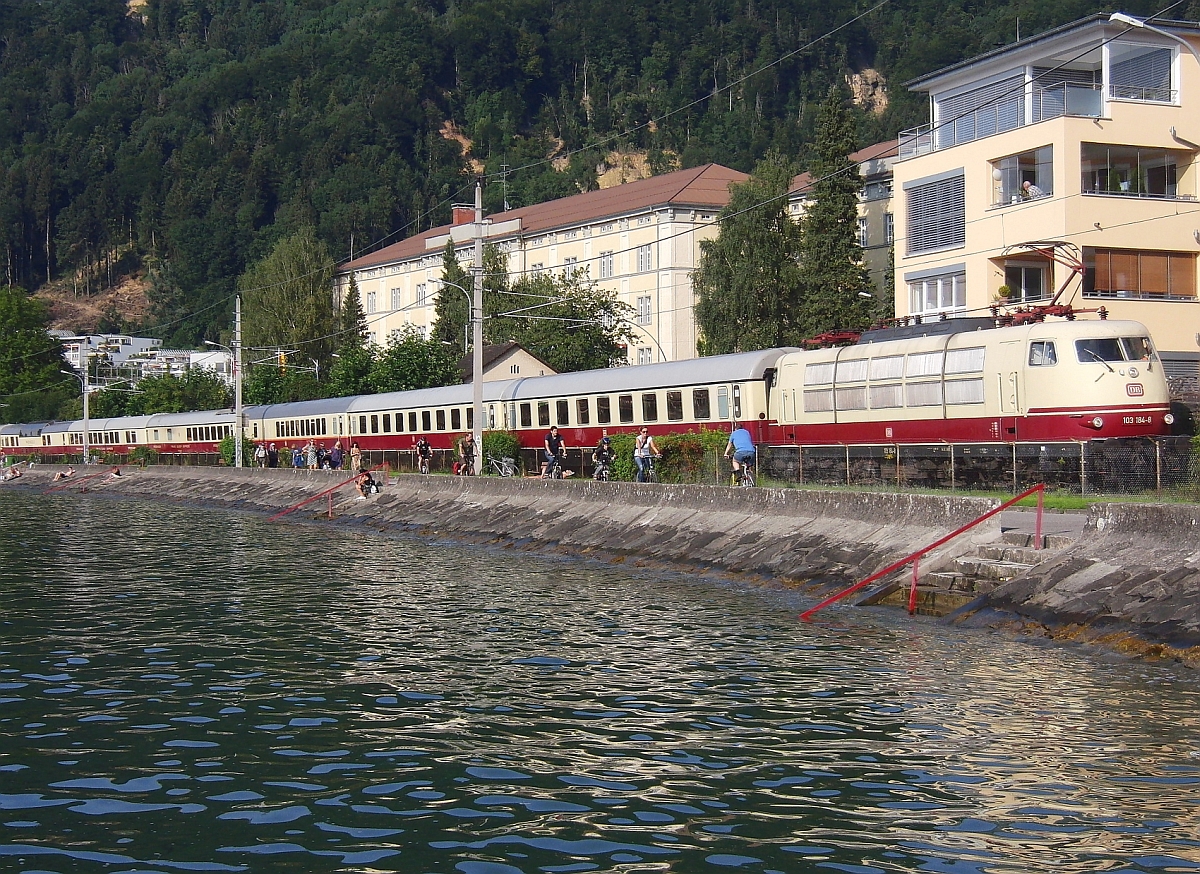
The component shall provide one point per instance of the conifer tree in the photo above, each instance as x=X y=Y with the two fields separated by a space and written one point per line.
x=748 y=283
x=353 y=319
x=451 y=310
x=831 y=262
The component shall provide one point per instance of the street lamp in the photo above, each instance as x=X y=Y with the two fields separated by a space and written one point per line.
x=1122 y=18
x=476 y=321
x=85 y=388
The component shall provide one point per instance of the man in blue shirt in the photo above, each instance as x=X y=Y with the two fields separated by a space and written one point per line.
x=740 y=448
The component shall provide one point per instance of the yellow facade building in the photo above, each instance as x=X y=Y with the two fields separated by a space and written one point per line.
x=1063 y=164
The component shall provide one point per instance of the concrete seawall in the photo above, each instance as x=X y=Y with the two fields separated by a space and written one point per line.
x=1131 y=580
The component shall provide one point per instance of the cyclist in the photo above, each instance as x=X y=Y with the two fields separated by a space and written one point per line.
x=643 y=448
x=424 y=453
x=555 y=445
x=466 y=454
x=740 y=449
x=602 y=455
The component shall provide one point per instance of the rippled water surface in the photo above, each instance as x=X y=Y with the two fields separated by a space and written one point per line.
x=193 y=691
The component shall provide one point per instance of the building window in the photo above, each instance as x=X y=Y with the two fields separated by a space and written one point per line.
x=645 y=355
x=937 y=214
x=1025 y=282
x=570 y=265
x=889 y=233
x=932 y=295
x=1130 y=171
x=536 y=269
x=396 y=299
x=514 y=369
x=864 y=235
x=1026 y=176
x=606 y=265
x=1139 y=274
x=420 y=294
x=644 y=314
x=370 y=302
x=645 y=260
x=1140 y=73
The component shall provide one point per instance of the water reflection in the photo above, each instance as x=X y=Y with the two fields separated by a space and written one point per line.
x=191 y=691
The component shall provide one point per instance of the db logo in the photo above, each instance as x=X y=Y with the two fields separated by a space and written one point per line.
x=1134 y=390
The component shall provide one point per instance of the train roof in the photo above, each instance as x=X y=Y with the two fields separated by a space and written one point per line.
x=443 y=396
x=972 y=324
x=695 y=371
x=18 y=429
x=199 y=417
x=300 y=409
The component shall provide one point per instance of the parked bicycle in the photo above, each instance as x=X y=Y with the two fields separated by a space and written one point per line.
x=502 y=466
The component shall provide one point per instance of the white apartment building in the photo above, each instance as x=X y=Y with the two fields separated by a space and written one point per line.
x=1065 y=164
x=641 y=239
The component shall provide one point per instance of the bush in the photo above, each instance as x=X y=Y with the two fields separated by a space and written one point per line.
x=144 y=455
x=501 y=444
x=228 y=447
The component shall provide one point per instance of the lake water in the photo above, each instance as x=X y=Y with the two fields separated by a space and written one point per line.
x=183 y=690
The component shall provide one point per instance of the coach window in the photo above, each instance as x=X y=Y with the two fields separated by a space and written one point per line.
x=674 y=406
x=700 y=406
x=650 y=407
x=374 y=424
x=625 y=408
x=582 y=412
x=387 y=424
x=426 y=424
x=412 y=421
x=470 y=418
x=399 y=423
x=603 y=410
x=723 y=403
x=543 y=413
x=456 y=419
x=526 y=416
x=563 y=412
x=1042 y=354
x=737 y=401
x=441 y=420
x=362 y=425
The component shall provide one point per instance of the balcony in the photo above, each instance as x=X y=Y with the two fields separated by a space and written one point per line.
x=1054 y=102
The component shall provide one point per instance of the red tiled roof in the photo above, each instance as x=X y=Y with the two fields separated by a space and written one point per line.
x=706 y=187
x=887 y=149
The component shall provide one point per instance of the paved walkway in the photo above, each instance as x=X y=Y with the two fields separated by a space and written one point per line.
x=1025 y=522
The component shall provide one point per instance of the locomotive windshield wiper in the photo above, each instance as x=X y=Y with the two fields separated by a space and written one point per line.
x=1101 y=360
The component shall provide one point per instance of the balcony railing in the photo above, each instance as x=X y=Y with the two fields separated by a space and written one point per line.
x=1053 y=102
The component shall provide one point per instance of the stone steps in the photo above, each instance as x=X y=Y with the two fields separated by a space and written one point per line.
x=969 y=576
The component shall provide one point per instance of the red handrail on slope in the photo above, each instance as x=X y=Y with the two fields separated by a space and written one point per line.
x=1040 y=488
x=328 y=491
x=72 y=481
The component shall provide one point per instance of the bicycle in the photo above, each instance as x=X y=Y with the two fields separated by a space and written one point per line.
x=603 y=471
x=502 y=466
x=743 y=477
x=554 y=468
x=650 y=471
x=423 y=463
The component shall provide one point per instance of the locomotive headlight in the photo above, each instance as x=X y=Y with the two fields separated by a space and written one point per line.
x=1133 y=372
x=1169 y=419
x=1097 y=423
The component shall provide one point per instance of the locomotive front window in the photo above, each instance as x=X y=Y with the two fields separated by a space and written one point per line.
x=1137 y=348
x=582 y=411
x=1042 y=353
x=700 y=406
x=603 y=410
x=1099 y=349
x=625 y=407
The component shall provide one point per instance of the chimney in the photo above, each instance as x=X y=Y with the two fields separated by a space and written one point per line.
x=464 y=214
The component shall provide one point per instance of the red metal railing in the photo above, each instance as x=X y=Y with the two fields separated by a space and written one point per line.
x=328 y=492
x=1040 y=489
x=70 y=481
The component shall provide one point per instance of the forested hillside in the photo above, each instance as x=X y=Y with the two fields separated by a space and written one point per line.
x=184 y=138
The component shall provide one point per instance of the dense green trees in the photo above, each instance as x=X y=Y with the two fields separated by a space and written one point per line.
x=31 y=387
x=190 y=136
x=748 y=284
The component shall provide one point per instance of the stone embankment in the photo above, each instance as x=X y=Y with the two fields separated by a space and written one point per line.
x=1129 y=578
